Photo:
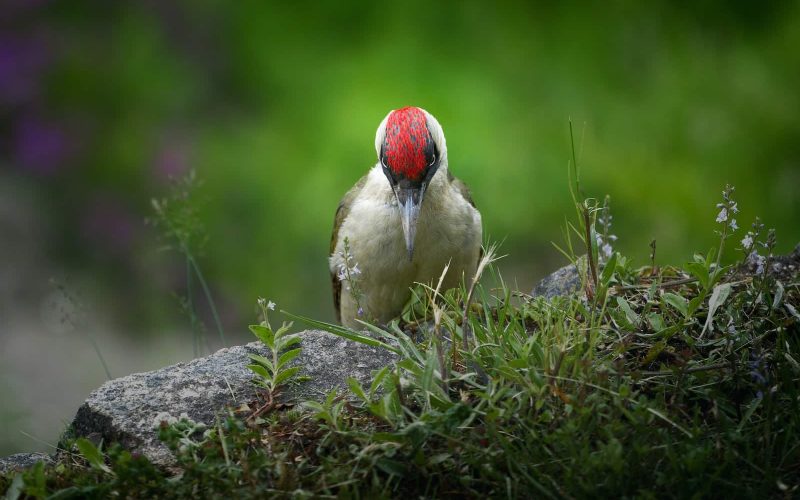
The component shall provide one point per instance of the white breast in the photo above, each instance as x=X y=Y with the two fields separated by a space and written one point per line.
x=448 y=229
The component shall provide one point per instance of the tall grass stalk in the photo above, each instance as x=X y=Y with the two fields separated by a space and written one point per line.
x=177 y=217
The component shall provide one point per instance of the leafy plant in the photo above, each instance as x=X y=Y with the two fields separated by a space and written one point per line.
x=273 y=372
x=92 y=454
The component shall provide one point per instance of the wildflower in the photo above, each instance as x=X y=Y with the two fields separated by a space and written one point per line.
x=727 y=208
x=757 y=373
x=750 y=244
x=606 y=250
x=348 y=272
x=265 y=304
x=754 y=259
x=747 y=241
x=604 y=239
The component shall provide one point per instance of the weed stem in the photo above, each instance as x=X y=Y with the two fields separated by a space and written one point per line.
x=210 y=300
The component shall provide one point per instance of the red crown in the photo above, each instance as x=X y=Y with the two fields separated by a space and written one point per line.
x=406 y=138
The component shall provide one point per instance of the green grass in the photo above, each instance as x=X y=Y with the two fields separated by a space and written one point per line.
x=664 y=382
x=649 y=381
x=550 y=398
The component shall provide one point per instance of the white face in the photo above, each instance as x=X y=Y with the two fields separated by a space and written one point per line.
x=433 y=127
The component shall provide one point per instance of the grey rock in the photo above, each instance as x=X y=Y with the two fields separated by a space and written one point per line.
x=128 y=410
x=563 y=282
x=21 y=461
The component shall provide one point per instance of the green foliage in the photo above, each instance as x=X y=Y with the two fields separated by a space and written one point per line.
x=552 y=398
x=648 y=382
x=92 y=454
x=274 y=372
x=91 y=474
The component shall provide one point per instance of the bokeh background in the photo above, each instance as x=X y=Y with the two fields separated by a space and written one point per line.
x=275 y=105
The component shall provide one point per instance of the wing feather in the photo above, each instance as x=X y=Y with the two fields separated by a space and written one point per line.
x=341 y=214
x=461 y=187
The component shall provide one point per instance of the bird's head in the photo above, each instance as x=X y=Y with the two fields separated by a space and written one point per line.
x=411 y=148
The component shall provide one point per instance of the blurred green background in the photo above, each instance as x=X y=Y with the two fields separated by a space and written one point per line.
x=275 y=106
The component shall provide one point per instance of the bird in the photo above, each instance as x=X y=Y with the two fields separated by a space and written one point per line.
x=405 y=220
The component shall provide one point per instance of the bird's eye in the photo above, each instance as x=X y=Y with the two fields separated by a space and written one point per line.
x=383 y=162
x=433 y=160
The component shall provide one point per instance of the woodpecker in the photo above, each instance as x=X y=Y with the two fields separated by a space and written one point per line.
x=402 y=223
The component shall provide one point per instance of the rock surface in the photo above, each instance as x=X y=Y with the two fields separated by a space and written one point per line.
x=564 y=281
x=128 y=410
x=20 y=461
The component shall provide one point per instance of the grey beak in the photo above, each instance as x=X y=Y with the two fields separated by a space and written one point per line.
x=409 y=201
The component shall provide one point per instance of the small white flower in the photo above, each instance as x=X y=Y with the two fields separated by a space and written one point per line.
x=747 y=241
x=733 y=225
x=271 y=305
x=735 y=207
x=606 y=250
x=355 y=270
x=723 y=215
